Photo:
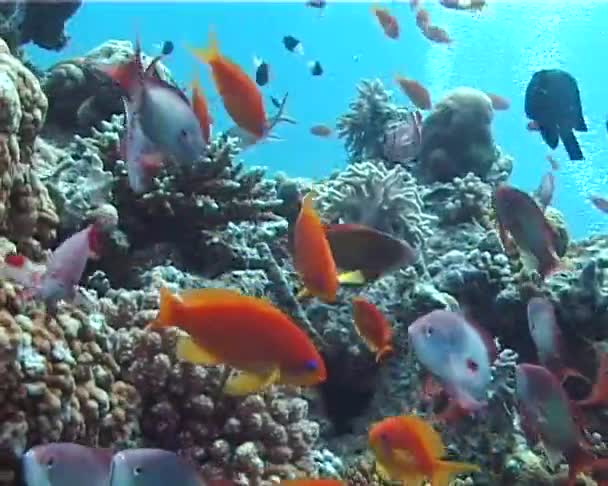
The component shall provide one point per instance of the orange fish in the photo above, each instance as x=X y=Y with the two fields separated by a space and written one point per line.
x=498 y=102
x=423 y=18
x=313 y=259
x=245 y=333
x=373 y=328
x=387 y=21
x=408 y=449
x=417 y=93
x=201 y=109
x=320 y=130
x=437 y=34
x=240 y=95
x=312 y=482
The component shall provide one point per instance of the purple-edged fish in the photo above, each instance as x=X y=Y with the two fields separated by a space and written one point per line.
x=66 y=464
x=164 y=113
x=547 y=338
x=454 y=351
x=152 y=467
x=549 y=416
x=520 y=219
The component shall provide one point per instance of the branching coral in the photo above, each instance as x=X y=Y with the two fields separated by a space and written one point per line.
x=364 y=126
x=27 y=214
x=368 y=193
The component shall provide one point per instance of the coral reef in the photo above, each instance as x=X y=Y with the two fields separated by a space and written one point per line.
x=39 y=22
x=457 y=137
x=27 y=214
x=368 y=193
x=80 y=96
x=367 y=121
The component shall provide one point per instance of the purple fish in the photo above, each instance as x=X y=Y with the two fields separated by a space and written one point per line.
x=547 y=337
x=548 y=416
x=520 y=219
x=162 y=111
x=66 y=266
x=454 y=351
x=402 y=139
x=65 y=464
x=152 y=467
x=545 y=190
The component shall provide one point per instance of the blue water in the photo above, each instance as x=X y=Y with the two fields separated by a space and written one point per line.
x=497 y=51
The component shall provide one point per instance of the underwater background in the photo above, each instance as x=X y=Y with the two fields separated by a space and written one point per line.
x=496 y=51
x=409 y=286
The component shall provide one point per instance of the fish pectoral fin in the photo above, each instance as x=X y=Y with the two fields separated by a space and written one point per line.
x=303 y=294
x=187 y=350
x=550 y=135
x=352 y=278
x=245 y=383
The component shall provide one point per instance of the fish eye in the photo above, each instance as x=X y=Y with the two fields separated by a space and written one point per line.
x=183 y=133
x=50 y=462
x=429 y=331
x=311 y=365
x=137 y=470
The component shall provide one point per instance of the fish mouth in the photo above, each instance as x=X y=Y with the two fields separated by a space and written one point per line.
x=33 y=472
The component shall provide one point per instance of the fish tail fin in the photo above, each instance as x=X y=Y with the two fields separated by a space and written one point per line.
x=571 y=144
x=169 y=305
x=384 y=353
x=445 y=469
x=209 y=53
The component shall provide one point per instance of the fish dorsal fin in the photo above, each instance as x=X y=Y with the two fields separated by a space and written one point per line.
x=210 y=294
x=308 y=201
x=428 y=435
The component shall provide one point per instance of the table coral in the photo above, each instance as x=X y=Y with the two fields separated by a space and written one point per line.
x=386 y=199
x=363 y=127
x=27 y=213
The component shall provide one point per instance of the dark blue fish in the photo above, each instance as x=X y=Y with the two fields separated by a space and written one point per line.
x=553 y=101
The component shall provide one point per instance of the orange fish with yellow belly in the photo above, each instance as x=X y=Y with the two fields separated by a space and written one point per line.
x=245 y=333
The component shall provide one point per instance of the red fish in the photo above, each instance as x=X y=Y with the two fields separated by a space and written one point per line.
x=423 y=19
x=373 y=328
x=201 y=110
x=436 y=34
x=313 y=259
x=499 y=102
x=240 y=95
x=364 y=250
x=266 y=346
x=417 y=93
x=521 y=221
x=550 y=417
x=388 y=22
x=409 y=449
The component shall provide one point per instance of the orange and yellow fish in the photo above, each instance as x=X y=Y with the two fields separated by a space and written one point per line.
x=408 y=449
x=388 y=22
x=373 y=328
x=240 y=95
x=201 y=109
x=246 y=333
x=313 y=259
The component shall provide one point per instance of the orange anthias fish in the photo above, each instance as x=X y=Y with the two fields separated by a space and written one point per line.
x=408 y=449
x=387 y=21
x=201 y=110
x=423 y=19
x=246 y=333
x=240 y=95
x=437 y=34
x=373 y=328
x=313 y=259
x=417 y=93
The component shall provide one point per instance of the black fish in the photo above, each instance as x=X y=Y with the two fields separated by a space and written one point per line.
x=292 y=44
x=167 y=48
x=553 y=101
x=316 y=3
x=315 y=68
x=262 y=72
